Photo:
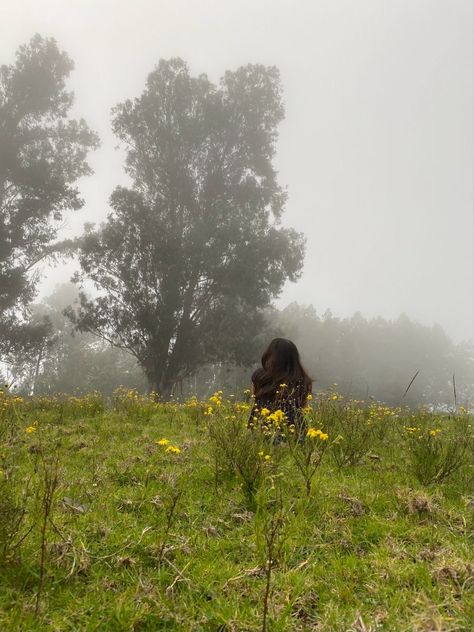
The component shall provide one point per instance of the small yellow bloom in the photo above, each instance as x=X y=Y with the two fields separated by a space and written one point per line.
x=267 y=457
x=313 y=433
x=309 y=397
x=163 y=442
x=173 y=449
x=260 y=453
x=31 y=429
x=283 y=385
x=264 y=412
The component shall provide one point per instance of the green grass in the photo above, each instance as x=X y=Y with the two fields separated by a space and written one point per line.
x=371 y=549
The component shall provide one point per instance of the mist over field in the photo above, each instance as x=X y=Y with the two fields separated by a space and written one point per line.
x=351 y=169
x=236 y=316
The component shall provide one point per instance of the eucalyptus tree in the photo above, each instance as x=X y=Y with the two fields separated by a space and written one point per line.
x=193 y=250
x=42 y=155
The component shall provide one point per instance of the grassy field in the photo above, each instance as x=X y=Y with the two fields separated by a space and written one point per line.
x=143 y=516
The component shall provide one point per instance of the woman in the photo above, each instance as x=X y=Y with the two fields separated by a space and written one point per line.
x=281 y=383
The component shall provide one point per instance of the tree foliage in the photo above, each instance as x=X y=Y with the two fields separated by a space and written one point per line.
x=70 y=361
x=194 y=250
x=42 y=155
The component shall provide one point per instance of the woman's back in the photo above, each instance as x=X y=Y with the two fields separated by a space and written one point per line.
x=281 y=382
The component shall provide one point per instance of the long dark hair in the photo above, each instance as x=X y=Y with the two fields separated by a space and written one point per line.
x=281 y=364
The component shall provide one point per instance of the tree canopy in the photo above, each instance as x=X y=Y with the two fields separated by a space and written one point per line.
x=42 y=155
x=194 y=250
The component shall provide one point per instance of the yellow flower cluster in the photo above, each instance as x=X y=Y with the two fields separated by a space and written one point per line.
x=171 y=449
x=242 y=407
x=216 y=399
x=192 y=402
x=435 y=432
x=378 y=412
x=8 y=401
x=315 y=432
x=270 y=421
x=277 y=417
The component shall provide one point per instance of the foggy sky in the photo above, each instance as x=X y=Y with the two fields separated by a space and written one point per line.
x=376 y=149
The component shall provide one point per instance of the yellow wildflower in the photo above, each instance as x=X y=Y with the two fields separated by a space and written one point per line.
x=314 y=432
x=173 y=449
x=280 y=415
x=267 y=457
x=264 y=412
x=163 y=442
x=31 y=429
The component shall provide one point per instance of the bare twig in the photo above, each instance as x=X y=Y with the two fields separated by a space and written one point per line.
x=179 y=577
x=411 y=382
x=50 y=483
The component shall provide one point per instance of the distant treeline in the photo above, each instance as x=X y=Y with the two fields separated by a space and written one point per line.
x=358 y=357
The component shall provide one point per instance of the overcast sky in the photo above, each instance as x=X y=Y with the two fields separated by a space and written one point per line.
x=376 y=149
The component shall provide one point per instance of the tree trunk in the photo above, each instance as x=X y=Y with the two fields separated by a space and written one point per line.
x=37 y=370
x=160 y=385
